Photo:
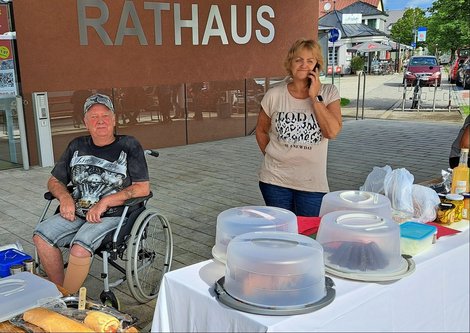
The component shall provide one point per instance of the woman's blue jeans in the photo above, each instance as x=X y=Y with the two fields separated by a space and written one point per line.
x=301 y=203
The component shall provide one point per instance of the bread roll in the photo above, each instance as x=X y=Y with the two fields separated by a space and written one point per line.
x=51 y=321
x=101 y=322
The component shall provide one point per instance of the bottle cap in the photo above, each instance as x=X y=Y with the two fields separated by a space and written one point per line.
x=454 y=197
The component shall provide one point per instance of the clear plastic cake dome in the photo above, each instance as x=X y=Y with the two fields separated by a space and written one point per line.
x=356 y=200
x=362 y=244
x=275 y=269
x=239 y=220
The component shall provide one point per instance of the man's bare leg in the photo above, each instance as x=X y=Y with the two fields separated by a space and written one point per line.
x=51 y=259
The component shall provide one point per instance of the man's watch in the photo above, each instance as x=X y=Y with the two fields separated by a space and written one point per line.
x=319 y=98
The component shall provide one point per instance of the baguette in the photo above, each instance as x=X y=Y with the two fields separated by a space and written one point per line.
x=51 y=321
x=101 y=322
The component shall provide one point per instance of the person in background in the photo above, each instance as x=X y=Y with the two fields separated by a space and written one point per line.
x=461 y=141
x=104 y=170
x=294 y=125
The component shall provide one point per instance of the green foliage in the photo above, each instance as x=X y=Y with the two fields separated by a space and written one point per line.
x=403 y=30
x=447 y=21
x=344 y=101
x=465 y=109
x=357 y=63
x=449 y=24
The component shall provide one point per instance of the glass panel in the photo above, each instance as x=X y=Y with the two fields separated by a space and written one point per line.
x=167 y=115
x=10 y=146
x=214 y=111
x=153 y=114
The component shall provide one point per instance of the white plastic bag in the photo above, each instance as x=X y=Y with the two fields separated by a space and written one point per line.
x=398 y=186
x=425 y=203
x=375 y=180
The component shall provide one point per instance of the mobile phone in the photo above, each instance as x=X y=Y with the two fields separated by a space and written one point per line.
x=309 y=80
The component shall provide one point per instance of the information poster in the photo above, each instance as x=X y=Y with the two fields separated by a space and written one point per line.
x=8 y=87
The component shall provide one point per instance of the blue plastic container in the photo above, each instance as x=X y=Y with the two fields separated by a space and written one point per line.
x=9 y=258
x=416 y=237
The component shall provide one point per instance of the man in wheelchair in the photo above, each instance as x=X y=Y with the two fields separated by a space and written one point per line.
x=104 y=170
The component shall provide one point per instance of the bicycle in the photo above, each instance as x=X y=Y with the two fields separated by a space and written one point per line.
x=416 y=99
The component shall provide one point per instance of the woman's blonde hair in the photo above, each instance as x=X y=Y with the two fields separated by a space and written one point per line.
x=301 y=44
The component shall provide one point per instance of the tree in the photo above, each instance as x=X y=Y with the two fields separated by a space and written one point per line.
x=405 y=28
x=449 y=24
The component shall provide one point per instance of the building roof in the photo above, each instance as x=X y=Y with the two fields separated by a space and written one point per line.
x=364 y=8
x=334 y=19
x=393 y=17
x=340 y=4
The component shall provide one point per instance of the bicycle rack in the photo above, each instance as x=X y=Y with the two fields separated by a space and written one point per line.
x=422 y=98
x=363 y=93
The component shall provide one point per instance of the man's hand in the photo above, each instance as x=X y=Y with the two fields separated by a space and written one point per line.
x=67 y=208
x=94 y=213
x=139 y=189
x=67 y=204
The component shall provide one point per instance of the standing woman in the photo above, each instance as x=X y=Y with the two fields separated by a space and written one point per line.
x=295 y=122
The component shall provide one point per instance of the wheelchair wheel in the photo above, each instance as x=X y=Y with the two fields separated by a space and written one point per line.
x=149 y=254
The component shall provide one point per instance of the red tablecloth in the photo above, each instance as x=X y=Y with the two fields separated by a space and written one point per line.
x=309 y=225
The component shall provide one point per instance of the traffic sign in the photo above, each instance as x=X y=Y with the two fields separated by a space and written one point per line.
x=334 y=35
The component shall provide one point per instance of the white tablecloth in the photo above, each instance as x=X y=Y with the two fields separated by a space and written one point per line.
x=433 y=298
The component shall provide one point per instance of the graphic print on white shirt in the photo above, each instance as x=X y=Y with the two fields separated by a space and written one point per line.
x=94 y=178
x=297 y=128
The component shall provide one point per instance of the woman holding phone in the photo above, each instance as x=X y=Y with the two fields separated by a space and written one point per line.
x=294 y=125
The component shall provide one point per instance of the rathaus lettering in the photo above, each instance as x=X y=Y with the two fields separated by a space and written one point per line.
x=215 y=28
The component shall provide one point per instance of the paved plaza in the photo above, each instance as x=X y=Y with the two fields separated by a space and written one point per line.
x=192 y=184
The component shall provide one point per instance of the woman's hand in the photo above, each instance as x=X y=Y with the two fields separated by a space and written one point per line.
x=315 y=84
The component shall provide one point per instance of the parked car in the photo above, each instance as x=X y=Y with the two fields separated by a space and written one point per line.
x=426 y=68
x=463 y=74
x=444 y=59
x=454 y=68
x=462 y=53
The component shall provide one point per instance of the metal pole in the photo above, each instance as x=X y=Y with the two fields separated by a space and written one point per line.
x=363 y=94
x=22 y=128
x=333 y=66
x=358 y=89
x=434 y=98
x=404 y=97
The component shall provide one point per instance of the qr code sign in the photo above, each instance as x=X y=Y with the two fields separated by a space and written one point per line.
x=7 y=80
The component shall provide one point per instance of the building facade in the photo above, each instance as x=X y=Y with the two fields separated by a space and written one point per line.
x=178 y=72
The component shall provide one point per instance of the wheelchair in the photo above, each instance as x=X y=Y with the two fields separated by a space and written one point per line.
x=141 y=249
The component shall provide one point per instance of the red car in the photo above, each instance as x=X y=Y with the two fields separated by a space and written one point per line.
x=454 y=69
x=425 y=68
x=462 y=54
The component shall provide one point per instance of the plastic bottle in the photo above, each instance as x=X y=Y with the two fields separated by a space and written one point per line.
x=461 y=174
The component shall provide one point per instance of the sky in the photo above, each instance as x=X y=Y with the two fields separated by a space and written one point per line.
x=402 y=4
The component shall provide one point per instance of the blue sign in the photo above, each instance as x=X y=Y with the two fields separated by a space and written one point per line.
x=334 y=35
x=422 y=34
x=413 y=45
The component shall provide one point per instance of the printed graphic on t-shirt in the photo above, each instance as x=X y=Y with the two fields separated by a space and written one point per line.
x=94 y=178
x=298 y=128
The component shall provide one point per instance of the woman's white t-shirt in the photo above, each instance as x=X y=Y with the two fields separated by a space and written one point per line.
x=296 y=154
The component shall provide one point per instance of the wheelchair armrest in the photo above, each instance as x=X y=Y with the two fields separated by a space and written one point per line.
x=49 y=196
x=136 y=201
x=130 y=202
